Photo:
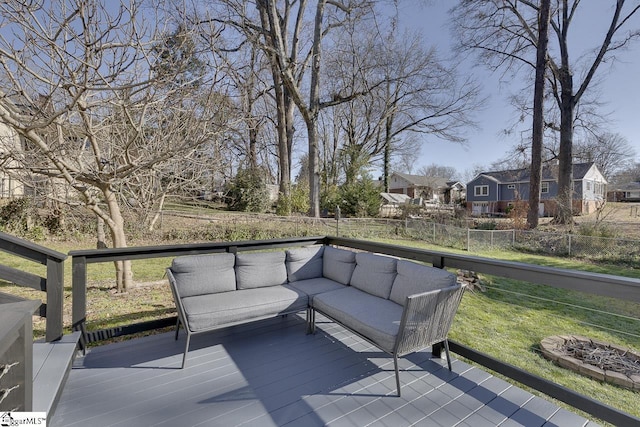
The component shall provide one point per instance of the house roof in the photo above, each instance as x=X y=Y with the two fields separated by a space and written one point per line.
x=549 y=173
x=425 y=181
x=629 y=186
x=396 y=198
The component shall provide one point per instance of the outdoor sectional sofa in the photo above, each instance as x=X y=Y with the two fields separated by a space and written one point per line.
x=399 y=306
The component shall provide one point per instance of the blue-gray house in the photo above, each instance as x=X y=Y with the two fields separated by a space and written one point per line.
x=492 y=193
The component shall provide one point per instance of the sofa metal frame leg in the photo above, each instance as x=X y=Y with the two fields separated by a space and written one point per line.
x=186 y=350
x=177 y=328
x=446 y=350
x=395 y=364
x=309 y=325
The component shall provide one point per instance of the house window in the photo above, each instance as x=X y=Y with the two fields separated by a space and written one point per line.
x=511 y=186
x=544 y=187
x=588 y=185
x=481 y=190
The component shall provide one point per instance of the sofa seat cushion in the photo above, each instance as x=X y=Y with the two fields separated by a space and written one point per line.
x=260 y=269
x=414 y=278
x=313 y=287
x=374 y=274
x=376 y=318
x=205 y=312
x=304 y=263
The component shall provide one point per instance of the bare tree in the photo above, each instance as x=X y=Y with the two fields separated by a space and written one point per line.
x=266 y=30
x=438 y=171
x=79 y=88
x=611 y=152
x=504 y=33
x=537 y=138
x=273 y=20
x=409 y=93
x=629 y=174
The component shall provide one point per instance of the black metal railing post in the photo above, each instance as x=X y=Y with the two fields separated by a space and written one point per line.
x=52 y=284
x=79 y=297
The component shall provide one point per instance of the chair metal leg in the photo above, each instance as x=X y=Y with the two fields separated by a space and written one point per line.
x=395 y=363
x=186 y=350
x=308 y=319
x=177 y=328
x=446 y=350
x=313 y=321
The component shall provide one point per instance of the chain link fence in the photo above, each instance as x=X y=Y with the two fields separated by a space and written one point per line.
x=574 y=245
x=249 y=227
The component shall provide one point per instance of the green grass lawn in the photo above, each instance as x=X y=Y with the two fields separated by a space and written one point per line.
x=508 y=321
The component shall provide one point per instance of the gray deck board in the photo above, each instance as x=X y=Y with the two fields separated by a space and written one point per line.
x=51 y=364
x=270 y=373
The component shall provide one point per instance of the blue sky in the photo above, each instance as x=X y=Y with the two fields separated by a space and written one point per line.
x=620 y=89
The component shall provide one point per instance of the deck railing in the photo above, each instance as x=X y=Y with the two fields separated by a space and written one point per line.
x=16 y=356
x=52 y=284
x=593 y=283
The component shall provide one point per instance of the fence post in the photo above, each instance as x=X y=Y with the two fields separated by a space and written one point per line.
x=55 y=299
x=468 y=240
x=434 y=232
x=513 y=237
x=569 y=244
x=491 y=241
x=79 y=297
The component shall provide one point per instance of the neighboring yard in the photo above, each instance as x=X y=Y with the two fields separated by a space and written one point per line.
x=507 y=321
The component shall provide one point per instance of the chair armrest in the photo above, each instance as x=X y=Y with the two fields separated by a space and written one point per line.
x=427 y=318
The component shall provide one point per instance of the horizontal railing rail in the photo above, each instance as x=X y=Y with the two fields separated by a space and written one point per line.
x=593 y=283
x=52 y=284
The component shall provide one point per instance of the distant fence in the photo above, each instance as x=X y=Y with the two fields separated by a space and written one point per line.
x=573 y=245
x=456 y=235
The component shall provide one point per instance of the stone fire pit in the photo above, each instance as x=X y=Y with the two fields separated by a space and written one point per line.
x=599 y=360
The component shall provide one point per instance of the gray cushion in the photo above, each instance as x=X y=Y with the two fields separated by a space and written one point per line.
x=374 y=274
x=316 y=286
x=415 y=278
x=338 y=264
x=257 y=270
x=204 y=274
x=376 y=318
x=304 y=263
x=205 y=312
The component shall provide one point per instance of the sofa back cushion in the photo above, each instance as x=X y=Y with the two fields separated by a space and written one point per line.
x=204 y=274
x=338 y=264
x=416 y=278
x=257 y=270
x=374 y=274
x=304 y=263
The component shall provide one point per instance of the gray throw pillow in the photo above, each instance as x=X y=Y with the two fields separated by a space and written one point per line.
x=304 y=263
x=415 y=278
x=256 y=270
x=374 y=274
x=338 y=264
x=204 y=274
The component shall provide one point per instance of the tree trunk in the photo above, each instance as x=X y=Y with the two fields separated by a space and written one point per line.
x=284 y=155
x=156 y=216
x=564 y=213
x=102 y=238
x=314 y=170
x=312 y=116
x=115 y=222
x=387 y=152
x=538 y=115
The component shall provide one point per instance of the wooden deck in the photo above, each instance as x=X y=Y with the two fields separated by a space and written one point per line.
x=269 y=373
